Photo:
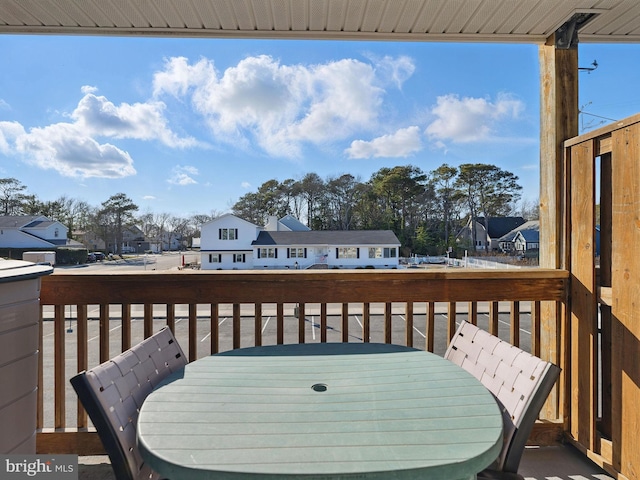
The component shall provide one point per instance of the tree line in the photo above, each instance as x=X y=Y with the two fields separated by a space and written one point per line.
x=109 y=220
x=424 y=209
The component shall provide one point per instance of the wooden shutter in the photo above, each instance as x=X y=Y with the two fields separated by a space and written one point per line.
x=288 y=253
x=219 y=234
x=275 y=252
x=358 y=252
x=305 y=253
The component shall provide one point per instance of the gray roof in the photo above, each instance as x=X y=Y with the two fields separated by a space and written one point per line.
x=530 y=236
x=532 y=225
x=328 y=237
x=293 y=224
x=13 y=221
x=499 y=226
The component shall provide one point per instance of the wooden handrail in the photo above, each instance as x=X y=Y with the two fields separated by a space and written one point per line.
x=255 y=287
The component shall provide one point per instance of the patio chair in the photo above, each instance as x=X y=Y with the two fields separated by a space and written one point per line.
x=113 y=392
x=520 y=382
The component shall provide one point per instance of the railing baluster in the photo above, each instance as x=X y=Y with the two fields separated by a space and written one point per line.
x=83 y=355
x=126 y=327
x=257 y=324
x=171 y=317
x=323 y=322
x=473 y=312
x=301 y=323
x=430 y=326
x=280 y=323
x=387 y=322
x=366 y=322
x=104 y=333
x=345 y=322
x=494 y=311
x=193 y=332
x=148 y=320
x=515 y=323
x=409 y=317
x=215 y=328
x=59 y=368
x=535 y=328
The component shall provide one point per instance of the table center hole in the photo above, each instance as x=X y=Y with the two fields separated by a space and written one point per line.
x=319 y=387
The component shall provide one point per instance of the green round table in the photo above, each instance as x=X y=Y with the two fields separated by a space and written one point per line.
x=320 y=411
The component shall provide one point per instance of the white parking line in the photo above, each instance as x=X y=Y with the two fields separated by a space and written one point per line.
x=414 y=327
x=265 y=324
x=209 y=334
x=98 y=336
x=507 y=323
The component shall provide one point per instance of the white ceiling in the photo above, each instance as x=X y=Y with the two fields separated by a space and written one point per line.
x=530 y=21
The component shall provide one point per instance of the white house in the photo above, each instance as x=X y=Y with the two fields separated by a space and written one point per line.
x=229 y=242
x=31 y=231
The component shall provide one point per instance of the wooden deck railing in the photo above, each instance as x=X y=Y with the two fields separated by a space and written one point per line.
x=602 y=209
x=88 y=318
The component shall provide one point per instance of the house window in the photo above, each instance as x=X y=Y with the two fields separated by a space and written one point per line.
x=297 y=252
x=379 y=252
x=227 y=234
x=56 y=233
x=239 y=258
x=267 y=253
x=347 y=252
x=215 y=258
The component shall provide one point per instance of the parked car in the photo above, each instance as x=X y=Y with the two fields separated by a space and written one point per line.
x=99 y=256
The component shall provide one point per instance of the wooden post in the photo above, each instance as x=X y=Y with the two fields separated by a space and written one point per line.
x=558 y=122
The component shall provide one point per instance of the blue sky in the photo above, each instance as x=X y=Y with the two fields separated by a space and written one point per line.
x=187 y=126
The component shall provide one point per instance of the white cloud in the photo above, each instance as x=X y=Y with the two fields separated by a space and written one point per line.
x=245 y=185
x=97 y=116
x=463 y=120
x=85 y=89
x=64 y=148
x=178 y=76
x=4 y=105
x=282 y=107
x=149 y=197
x=9 y=131
x=182 y=175
x=395 y=70
x=402 y=143
x=72 y=148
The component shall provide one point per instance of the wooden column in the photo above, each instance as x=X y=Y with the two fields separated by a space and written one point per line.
x=558 y=122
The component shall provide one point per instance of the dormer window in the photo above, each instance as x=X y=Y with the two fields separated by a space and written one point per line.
x=56 y=233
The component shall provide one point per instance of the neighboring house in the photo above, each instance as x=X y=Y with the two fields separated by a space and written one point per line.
x=523 y=238
x=32 y=231
x=133 y=241
x=488 y=239
x=90 y=240
x=527 y=240
x=229 y=242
